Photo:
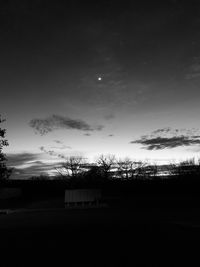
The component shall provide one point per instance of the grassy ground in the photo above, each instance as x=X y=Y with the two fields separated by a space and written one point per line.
x=143 y=226
x=101 y=237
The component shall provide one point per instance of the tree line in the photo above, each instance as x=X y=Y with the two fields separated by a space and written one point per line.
x=107 y=167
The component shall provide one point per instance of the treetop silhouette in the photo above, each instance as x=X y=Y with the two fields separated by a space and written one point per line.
x=4 y=171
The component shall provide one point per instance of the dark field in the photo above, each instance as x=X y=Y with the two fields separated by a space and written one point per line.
x=116 y=236
x=144 y=224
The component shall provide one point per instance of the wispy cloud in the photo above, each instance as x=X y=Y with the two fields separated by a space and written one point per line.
x=162 y=143
x=58 y=142
x=36 y=169
x=169 y=138
x=55 y=122
x=26 y=165
x=52 y=152
x=194 y=69
x=61 y=147
x=19 y=159
x=110 y=116
x=87 y=134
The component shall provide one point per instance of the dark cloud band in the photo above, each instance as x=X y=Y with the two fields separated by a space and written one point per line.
x=26 y=165
x=18 y=159
x=157 y=139
x=55 y=122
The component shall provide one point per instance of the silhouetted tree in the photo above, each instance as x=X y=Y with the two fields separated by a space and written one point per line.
x=124 y=167
x=137 y=169
x=93 y=175
x=106 y=163
x=185 y=168
x=151 y=171
x=41 y=177
x=4 y=171
x=72 y=166
x=172 y=169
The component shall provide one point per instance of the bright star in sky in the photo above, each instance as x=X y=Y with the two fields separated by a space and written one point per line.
x=99 y=78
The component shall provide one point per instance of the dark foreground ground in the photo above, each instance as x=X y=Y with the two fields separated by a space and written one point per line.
x=101 y=237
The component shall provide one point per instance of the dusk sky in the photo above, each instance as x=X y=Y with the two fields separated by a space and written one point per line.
x=99 y=77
